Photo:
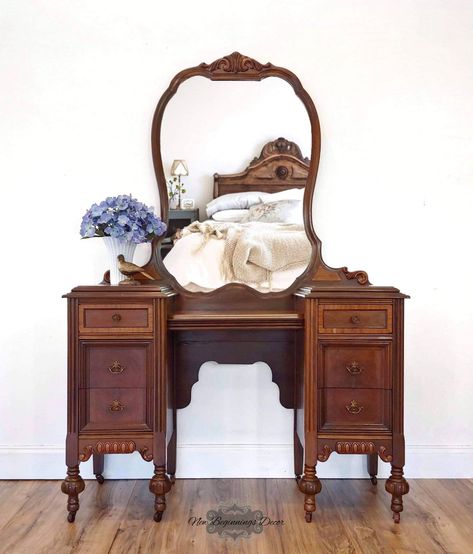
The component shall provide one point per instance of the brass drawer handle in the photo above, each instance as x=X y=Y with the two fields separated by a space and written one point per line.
x=355 y=319
x=116 y=367
x=354 y=368
x=354 y=407
x=116 y=318
x=116 y=406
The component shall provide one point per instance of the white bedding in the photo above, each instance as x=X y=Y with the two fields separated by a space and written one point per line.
x=197 y=266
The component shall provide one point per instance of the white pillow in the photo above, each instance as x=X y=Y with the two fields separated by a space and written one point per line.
x=281 y=211
x=234 y=216
x=235 y=201
x=288 y=194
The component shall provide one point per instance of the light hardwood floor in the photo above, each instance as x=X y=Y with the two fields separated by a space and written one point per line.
x=352 y=516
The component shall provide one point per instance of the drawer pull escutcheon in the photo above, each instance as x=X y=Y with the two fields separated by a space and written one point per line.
x=116 y=367
x=354 y=407
x=355 y=319
x=354 y=368
x=116 y=406
x=116 y=317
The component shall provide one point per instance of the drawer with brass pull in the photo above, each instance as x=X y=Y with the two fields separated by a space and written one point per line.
x=124 y=363
x=355 y=319
x=105 y=409
x=354 y=363
x=359 y=410
x=115 y=318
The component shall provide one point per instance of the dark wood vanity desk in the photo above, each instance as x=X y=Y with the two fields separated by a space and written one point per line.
x=333 y=341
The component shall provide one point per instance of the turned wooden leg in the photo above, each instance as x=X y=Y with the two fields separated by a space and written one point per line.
x=159 y=485
x=298 y=457
x=372 y=466
x=397 y=486
x=310 y=486
x=98 y=467
x=72 y=485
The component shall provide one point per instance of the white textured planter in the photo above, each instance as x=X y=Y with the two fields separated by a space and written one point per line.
x=116 y=247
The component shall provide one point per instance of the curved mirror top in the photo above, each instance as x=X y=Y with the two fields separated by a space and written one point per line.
x=236 y=158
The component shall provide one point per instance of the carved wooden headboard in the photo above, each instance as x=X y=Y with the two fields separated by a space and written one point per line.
x=280 y=166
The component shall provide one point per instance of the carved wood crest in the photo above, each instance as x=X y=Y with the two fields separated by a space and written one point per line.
x=280 y=146
x=234 y=63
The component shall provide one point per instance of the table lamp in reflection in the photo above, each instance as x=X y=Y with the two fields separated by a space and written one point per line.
x=178 y=169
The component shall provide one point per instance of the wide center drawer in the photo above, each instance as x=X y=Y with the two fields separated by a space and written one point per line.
x=357 y=410
x=115 y=318
x=119 y=364
x=105 y=409
x=355 y=318
x=362 y=364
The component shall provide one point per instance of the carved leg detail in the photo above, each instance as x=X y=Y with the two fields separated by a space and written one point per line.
x=98 y=467
x=159 y=485
x=372 y=467
x=397 y=486
x=310 y=486
x=72 y=485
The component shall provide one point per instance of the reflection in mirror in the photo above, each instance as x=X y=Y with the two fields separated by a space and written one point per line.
x=244 y=146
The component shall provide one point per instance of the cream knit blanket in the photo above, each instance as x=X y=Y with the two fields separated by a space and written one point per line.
x=253 y=251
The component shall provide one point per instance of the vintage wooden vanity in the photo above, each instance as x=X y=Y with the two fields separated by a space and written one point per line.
x=333 y=341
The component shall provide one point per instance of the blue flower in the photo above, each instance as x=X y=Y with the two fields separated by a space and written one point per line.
x=96 y=210
x=105 y=217
x=123 y=201
x=116 y=232
x=122 y=217
x=87 y=230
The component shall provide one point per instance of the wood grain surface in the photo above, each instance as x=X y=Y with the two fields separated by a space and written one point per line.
x=353 y=516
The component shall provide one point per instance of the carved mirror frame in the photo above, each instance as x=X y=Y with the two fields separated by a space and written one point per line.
x=237 y=67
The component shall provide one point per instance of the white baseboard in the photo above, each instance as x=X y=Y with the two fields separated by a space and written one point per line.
x=234 y=460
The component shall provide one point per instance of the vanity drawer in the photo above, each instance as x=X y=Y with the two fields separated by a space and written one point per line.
x=115 y=364
x=355 y=409
x=352 y=364
x=115 y=318
x=355 y=318
x=115 y=408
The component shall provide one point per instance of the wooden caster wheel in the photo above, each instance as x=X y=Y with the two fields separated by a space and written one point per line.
x=298 y=478
x=396 y=517
x=374 y=480
x=100 y=479
x=158 y=516
x=71 y=516
x=308 y=517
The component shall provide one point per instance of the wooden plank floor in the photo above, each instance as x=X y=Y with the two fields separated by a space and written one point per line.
x=353 y=516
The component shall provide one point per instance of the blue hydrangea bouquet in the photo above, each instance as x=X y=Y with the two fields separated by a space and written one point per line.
x=122 y=222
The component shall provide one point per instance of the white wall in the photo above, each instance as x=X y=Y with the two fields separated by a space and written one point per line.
x=393 y=83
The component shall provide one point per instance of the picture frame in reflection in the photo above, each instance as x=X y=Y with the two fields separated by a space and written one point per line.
x=187 y=204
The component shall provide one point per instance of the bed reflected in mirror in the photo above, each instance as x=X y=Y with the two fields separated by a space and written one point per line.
x=244 y=147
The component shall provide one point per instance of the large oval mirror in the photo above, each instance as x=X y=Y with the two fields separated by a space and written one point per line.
x=234 y=153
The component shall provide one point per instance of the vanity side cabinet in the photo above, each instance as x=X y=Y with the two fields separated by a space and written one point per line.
x=117 y=383
x=354 y=382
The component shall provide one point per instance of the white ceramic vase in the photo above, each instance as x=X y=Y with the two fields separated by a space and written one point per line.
x=114 y=248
